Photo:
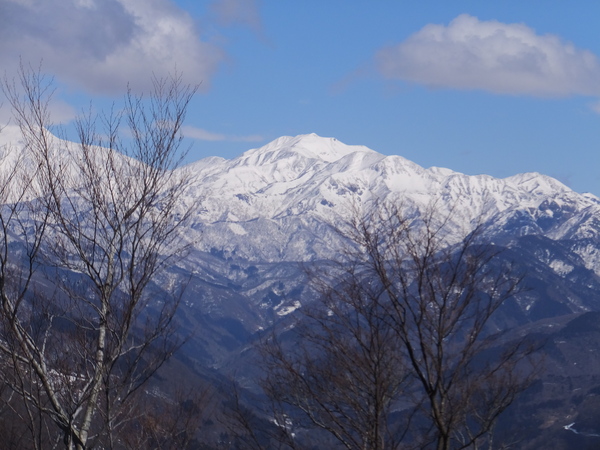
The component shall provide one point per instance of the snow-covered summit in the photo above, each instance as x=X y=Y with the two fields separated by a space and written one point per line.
x=277 y=198
x=300 y=173
x=309 y=146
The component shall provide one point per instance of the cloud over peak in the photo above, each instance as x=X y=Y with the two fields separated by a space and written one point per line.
x=494 y=57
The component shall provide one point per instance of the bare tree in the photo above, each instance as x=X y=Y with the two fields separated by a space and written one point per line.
x=102 y=219
x=440 y=298
x=344 y=371
x=167 y=422
x=401 y=350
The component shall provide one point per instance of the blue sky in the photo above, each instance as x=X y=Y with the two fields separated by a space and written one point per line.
x=479 y=87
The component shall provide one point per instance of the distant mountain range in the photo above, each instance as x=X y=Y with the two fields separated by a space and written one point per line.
x=292 y=186
x=274 y=207
x=271 y=210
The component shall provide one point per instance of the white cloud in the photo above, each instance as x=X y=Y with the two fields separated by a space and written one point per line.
x=201 y=134
x=101 y=45
x=492 y=56
x=204 y=135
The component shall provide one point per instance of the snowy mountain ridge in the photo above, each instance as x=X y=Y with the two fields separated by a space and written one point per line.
x=277 y=202
x=260 y=200
x=287 y=168
x=273 y=207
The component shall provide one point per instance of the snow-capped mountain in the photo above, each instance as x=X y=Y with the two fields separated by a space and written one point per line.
x=274 y=203
x=277 y=203
x=273 y=207
x=296 y=176
x=269 y=211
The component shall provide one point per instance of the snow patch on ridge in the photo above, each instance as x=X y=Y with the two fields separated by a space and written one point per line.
x=237 y=229
x=561 y=267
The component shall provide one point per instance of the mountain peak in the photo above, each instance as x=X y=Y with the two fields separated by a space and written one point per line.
x=311 y=146
x=537 y=183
